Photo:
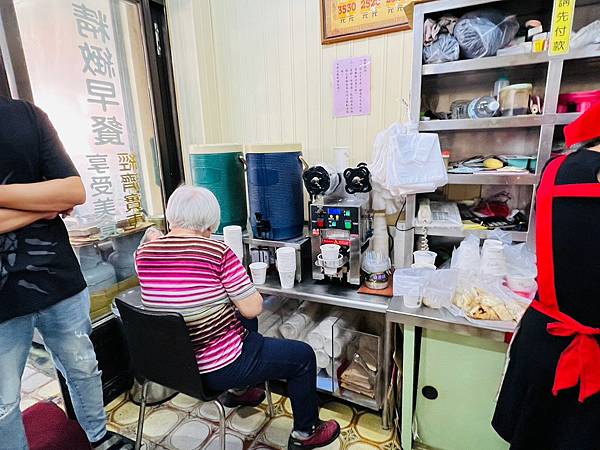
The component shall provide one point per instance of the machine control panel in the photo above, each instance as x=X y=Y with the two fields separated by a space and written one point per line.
x=323 y=217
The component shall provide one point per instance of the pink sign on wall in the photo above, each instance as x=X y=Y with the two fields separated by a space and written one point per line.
x=352 y=86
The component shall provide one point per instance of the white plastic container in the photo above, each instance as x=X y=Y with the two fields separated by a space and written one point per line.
x=287 y=278
x=232 y=235
x=422 y=257
x=258 y=270
x=330 y=252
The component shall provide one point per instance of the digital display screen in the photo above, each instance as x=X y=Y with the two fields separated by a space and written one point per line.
x=334 y=211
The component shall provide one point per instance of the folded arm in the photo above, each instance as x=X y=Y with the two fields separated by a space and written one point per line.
x=53 y=195
x=12 y=219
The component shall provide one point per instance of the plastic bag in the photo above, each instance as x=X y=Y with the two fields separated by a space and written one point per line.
x=483 y=33
x=520 y=260
x=467 y=258
x=440 y=289
x=444 y=49
x=588 y=35
x=406 y=162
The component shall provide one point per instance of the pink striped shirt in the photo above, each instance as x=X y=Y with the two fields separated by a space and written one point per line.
x=198 y=278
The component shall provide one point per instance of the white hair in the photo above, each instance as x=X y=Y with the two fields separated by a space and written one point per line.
x=193 y=208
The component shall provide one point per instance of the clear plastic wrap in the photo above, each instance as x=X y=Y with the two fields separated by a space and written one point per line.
x=483 y=33
x=444 y=49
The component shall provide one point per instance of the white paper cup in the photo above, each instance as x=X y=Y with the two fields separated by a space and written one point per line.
x=259 y=272
x=330 y=252
x=424 y=257
x=286 y=258
x=412 y=301
x=287 y=278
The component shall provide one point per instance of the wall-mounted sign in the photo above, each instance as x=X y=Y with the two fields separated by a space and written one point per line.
x=352 y=87
x=342 y=20
x=562 y=24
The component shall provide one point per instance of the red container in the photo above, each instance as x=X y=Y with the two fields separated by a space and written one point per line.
x=578 y=101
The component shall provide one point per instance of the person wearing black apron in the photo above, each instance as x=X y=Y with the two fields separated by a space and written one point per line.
x=550 y=396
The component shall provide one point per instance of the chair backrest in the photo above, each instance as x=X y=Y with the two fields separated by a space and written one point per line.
x=161 y=350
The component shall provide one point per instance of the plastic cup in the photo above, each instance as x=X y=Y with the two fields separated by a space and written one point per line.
x=330 y=252
x=258 y=270
x=424 y=257
x=287 y=278
x=412 y=301
x=286 y=258
x=423 y=266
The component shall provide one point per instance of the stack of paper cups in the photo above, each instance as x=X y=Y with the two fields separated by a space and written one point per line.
x=286 y=266
x=232 y=235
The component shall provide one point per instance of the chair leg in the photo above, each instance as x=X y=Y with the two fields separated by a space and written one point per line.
x=140 y=424
x=270 y=409
x=222 y=435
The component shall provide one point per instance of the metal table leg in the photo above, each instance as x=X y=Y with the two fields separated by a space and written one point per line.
x=387 y=371
x=408 y=377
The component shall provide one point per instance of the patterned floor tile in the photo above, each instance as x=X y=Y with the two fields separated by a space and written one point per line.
x=190 y=434
x=184 y=423
x=34 y=382
x=232 y=442
x=341 y=412
x=209 y=411
x=247 y=421
x=368 y=427
x=184 y=402
x=160 y=422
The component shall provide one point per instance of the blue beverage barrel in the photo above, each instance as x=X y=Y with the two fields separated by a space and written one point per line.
x=275 y=190
x=219 y=168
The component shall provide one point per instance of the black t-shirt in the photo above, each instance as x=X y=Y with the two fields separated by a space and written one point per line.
x=37 y=265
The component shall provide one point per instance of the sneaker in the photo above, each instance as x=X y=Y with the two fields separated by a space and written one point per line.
x=113 y=441
x=325 y=433
x=251 y=397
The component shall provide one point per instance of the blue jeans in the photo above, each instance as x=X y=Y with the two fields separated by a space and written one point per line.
x=65 y=328
x=265 y=359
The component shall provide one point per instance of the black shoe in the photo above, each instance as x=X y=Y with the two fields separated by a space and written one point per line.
x=113 y=441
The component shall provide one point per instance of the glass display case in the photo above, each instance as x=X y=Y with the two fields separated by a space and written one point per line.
x=88 y=70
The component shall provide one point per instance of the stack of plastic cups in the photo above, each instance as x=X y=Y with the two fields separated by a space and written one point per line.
x=286 y=266
x=232 y=235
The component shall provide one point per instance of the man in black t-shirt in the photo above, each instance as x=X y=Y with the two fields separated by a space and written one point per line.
x=41 y=284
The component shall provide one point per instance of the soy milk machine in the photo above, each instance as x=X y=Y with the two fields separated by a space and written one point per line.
x=339 y=213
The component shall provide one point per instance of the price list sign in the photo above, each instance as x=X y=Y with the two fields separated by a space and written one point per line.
x=352 y=87
x=349 y=19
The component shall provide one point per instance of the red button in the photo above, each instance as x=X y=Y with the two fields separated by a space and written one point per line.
x=320 y=223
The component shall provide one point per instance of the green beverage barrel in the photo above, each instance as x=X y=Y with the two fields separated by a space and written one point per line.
x=219 y=168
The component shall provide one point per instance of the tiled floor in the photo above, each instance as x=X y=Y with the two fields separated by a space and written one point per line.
x=187 y=424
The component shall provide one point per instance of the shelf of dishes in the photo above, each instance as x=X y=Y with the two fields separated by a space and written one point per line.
x=524 y=121
x=349 y=354
x=500 y=62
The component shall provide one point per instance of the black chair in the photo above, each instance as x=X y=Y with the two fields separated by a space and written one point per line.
x=161 y=352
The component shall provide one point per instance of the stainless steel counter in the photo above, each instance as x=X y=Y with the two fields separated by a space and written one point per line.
x=441 y=320
x=326 y=293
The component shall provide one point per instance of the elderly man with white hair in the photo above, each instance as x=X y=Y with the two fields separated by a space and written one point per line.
x=188 y=272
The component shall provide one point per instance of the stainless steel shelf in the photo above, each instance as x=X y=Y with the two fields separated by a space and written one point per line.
x=517 y=236
x=483 y=124
x=565 y=118
x=326 y=293
x=591 y=51
x=441 y=320
x=493 y=62
x=499 y=62
x=502 y=179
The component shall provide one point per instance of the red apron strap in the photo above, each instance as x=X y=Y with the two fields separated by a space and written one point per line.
x=590 y=190
x=544 y=244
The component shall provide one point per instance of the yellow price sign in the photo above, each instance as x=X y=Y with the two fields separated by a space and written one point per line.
x=562 y=24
